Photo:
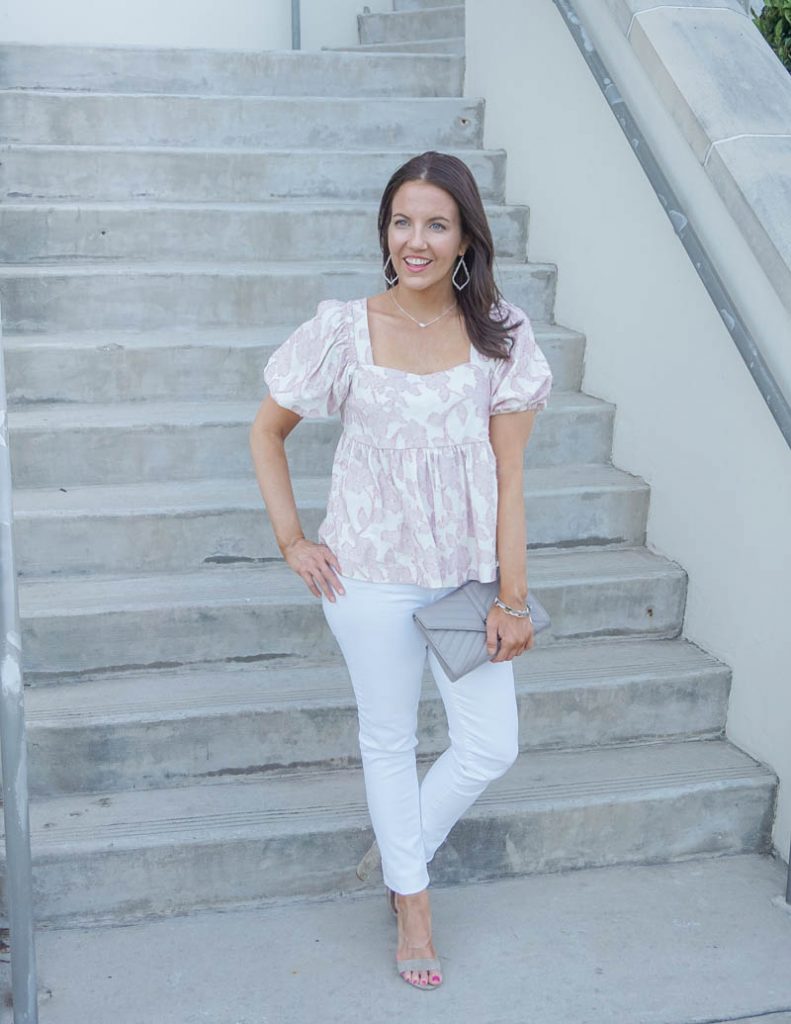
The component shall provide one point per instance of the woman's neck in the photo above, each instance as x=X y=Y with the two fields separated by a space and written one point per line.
x=425 y=303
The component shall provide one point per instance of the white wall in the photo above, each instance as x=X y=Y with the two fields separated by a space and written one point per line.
x=233 y=24
x=689 y=417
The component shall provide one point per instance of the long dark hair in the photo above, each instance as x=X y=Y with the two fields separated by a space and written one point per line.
x=490 y=336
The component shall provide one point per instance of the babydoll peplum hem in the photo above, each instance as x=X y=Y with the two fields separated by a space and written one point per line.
x=409 y=514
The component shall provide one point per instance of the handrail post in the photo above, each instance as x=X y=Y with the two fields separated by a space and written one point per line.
x=296 y=27
x=13 y=750
x=788 y=880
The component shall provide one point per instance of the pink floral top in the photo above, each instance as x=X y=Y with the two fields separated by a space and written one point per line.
x=413 y=497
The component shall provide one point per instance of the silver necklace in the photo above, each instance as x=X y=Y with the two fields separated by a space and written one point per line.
x=420 y=323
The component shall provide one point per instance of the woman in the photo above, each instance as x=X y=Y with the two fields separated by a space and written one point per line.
x=426 y=493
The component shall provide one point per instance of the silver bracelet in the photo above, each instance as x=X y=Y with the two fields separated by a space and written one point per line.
x=523 y=614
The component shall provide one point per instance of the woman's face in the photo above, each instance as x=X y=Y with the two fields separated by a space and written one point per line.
x=424 y=235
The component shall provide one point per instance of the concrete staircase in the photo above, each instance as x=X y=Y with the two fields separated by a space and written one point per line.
x=168 y=218
x=414 y=26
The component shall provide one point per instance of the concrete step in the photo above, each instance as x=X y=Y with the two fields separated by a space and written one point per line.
x=279 y=122
x=713 y=928
x=143 y=296
x=71 y=445
x=194 y=72
x=156 y=852
x=180 y=727
x=244 y=611
x=420 y=5
x=426 y=23
x=166 y=174
x=175 y=526
x=32 y=232
x=454 y=45
x=177 y=365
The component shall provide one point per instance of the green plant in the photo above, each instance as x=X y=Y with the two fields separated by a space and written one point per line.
x=774 y=24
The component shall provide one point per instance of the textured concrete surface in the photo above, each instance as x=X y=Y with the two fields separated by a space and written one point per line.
x=232 y=840
x=685 y=943
x=730 y=95
x=453 y=45
x=406 y=26
x=42 y=232
x=189 y=364
x=180 y=726
x=118 y=294
x=419 y=5
x=247 y=610
x=223 y=72
x=174 y=525
x=625 y=10
x=220 y=175
x=72 y=444
x=753 y=175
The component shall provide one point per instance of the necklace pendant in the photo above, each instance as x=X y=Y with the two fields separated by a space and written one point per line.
x=421 y=325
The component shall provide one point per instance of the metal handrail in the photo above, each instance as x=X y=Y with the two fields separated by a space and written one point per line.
x=13 y=749
x=296 y=26
x=743 y=338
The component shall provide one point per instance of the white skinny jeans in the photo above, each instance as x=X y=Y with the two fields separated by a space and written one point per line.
x=385 y=653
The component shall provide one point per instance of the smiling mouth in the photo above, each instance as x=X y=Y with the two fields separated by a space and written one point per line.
x=416 y=261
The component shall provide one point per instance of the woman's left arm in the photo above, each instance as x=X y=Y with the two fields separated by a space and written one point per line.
x=509 y=434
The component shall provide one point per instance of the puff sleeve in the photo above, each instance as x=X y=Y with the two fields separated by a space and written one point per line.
x=310 y=372
x=524 y=380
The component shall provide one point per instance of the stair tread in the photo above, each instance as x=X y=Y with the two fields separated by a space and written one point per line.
x=219 y=337
x=125 y=415
x=273 y=582
x=41 y=147
x=229 y=268
x=180 y=496
x=198 y=53
x=428 y=9
x=325 y=800
x=285 y=205
x=310 y=682
x=244 y=97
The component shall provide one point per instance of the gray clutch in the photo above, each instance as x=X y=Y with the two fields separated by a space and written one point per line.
x=455 y=626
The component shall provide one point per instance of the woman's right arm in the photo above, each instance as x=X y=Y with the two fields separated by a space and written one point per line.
x=315 y=563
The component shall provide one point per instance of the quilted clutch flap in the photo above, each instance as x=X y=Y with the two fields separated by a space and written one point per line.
x=481 y=596
x=453 y=612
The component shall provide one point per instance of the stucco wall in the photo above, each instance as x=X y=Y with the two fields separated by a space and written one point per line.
x=236 y=24
x=689 y=417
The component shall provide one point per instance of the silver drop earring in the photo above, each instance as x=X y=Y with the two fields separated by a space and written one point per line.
x=456 y=285
x=390 y=280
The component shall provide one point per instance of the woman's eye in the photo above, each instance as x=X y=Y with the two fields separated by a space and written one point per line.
x=398 y=223
x=437 y=224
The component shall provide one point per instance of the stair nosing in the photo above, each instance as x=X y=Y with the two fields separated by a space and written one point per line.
x=516 y=793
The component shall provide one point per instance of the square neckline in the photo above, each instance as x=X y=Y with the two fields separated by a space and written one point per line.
x=369 y=352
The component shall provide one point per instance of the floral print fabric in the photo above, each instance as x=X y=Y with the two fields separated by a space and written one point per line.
x=413 y=497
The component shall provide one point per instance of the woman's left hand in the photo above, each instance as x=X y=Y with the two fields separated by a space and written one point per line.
x=515 y=634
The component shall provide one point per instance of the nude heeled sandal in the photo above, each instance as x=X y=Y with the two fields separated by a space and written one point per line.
x=423 y=963
x=430 y=964
x=371 y=858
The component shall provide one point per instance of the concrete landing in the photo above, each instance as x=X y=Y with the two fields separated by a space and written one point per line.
x=699 y=941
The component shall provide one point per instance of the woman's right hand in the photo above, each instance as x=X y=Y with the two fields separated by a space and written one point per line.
x=314 y=562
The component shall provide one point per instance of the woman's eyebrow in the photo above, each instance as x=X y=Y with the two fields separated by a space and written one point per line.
x=435 y=217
